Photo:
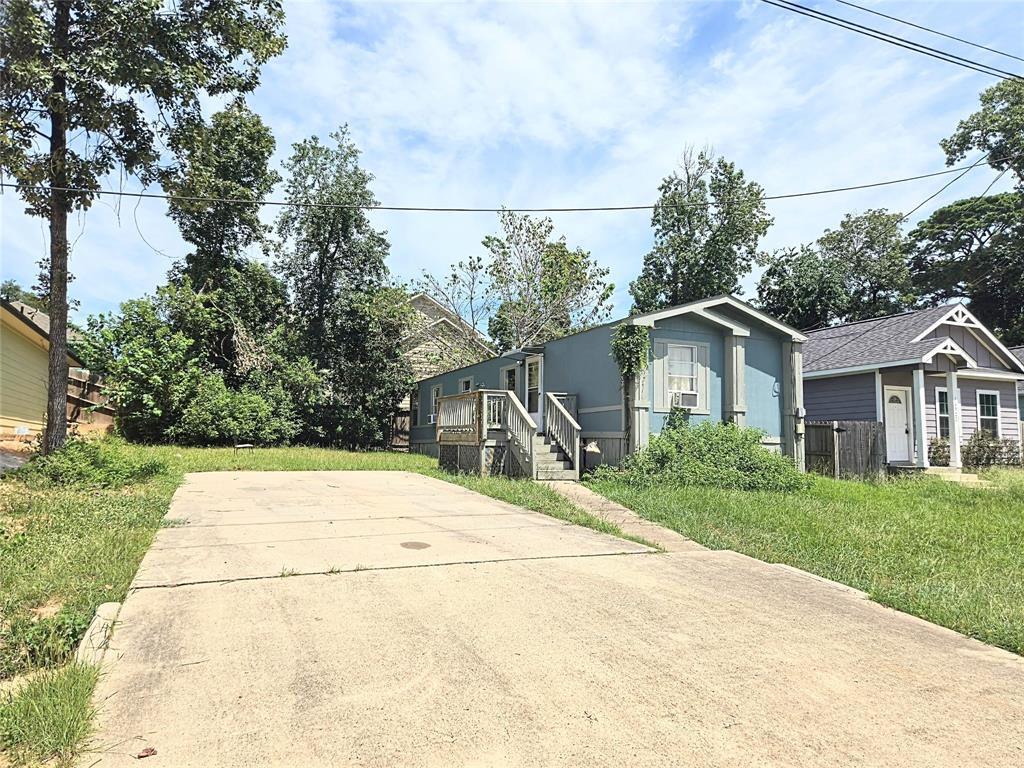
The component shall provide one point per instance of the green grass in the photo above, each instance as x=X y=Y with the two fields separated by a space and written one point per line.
x=49 y=718
x=949 y=554
x=65 y=549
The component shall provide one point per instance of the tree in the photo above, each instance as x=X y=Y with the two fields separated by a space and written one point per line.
x=974 y=249
x=466 y=291
x=707 y=224
x=119 y=78
x=799 y=287
x=868 y=249
x=12 y=291
x=218 y=183
x=543 y=288
x=996 y=129
x=347 y=317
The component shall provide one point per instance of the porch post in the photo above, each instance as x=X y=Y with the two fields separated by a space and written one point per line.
x=735 y=389
x=793 y=402
x=920 y=438
x=953 y=402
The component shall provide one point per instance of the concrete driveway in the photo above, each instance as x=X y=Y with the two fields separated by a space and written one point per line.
x=426 y=625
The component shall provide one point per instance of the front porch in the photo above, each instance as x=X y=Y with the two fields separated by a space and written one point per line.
x=490 y=432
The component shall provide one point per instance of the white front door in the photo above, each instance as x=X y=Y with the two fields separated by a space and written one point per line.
x=535 y=389
x=898 y=434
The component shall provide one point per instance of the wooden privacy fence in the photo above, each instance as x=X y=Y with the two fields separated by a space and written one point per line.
x=845 y=448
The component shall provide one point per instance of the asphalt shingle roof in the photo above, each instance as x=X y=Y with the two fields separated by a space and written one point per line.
x=868 y=342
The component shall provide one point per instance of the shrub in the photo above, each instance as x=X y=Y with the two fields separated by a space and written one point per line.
x=719 y=455
x=985 y=450
x=89 y=464
x=938 y=452
x=212 y=414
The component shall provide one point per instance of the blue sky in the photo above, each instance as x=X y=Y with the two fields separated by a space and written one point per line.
x=552 y=104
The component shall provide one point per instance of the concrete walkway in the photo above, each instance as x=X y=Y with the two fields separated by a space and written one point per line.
x=437 y=627
x=628 y=521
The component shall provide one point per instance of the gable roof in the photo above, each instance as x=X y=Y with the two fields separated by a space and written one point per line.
x=887 y=341
x=450 y=318
x=704 y=308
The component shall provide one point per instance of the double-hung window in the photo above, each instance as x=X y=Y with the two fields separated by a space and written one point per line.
x=414 y=408
x=988 y=412
x=681 y=369
x=942 y=411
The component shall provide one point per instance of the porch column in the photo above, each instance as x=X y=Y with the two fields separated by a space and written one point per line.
x=793 y=402
x=920 y=439
x=735 y=387
x=953 y=401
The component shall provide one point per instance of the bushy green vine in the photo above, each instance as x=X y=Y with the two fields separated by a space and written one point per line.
x=630 y=349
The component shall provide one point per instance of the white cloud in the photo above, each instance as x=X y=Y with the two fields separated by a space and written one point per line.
x=580 y=104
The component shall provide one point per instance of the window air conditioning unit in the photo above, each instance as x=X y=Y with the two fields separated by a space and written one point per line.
x=433 y=418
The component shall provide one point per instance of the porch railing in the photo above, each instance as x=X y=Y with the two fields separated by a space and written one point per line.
x=458 y=418
x=561 y=428
x=466 y=419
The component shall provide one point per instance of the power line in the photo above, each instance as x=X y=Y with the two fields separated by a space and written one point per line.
x=929 y=29
x=436 y=209
x=947 y=185
x=885 y=37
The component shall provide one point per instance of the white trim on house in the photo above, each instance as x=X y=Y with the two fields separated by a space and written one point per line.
x=939 y=416
x=435 y=396
x=699 y=307
x=950 y=348
x=990 y=374
x=515 y=374
x=999 y=410
x=735 y=328
x=961 y=316
x=468 y=380
x=879 y=396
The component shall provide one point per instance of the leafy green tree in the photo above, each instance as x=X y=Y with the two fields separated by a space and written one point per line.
x=996 y=129
x=218 y=184
x=347 y=318
x=868 y=249
x=88 y=87
x=801 y=288
x=707 y=224
x=152 y=357
x=543 y=288
x=974 y=249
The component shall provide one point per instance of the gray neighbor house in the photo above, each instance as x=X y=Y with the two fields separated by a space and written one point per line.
x=901 y=369
x=548 y=410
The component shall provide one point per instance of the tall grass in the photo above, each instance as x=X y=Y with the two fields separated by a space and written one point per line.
x=944 y=552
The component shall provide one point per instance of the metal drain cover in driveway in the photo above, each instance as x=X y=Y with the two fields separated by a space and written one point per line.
x=415 y=544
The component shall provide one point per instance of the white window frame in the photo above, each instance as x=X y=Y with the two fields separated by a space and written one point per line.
x=414 y=408
x=999 y=410
x=694 y=376
x=435 y=399
x=515 y=376
x=468 y=382
x=939 y=415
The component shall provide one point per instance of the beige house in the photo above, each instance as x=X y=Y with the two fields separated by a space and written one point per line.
x=438 y=341
x=24 y=347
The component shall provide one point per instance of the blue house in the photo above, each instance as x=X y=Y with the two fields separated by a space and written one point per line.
x=548 y=411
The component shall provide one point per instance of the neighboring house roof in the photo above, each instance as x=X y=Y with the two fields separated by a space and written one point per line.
x=894 y=340
x=37 y=321
x=449 y=318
